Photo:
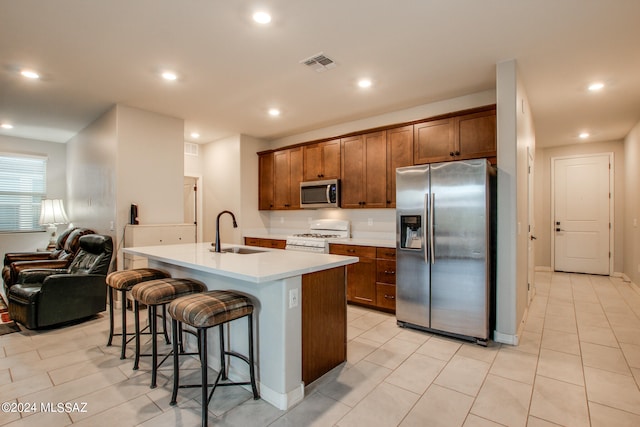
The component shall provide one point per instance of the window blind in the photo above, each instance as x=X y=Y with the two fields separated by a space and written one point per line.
x=23 y=185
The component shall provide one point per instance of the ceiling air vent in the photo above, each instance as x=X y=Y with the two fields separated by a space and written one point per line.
x=191 y=149
x=319 y=62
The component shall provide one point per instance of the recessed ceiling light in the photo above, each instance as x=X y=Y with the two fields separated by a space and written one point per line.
x=364 y=83
x=195 y=135
x=30 y=74
x=262 y=17
x=596 y=86
x=6 y=126
x=584 y=135
x=169 y=75
x=274 y=112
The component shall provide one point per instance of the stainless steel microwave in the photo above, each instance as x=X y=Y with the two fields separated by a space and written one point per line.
x=320 y=194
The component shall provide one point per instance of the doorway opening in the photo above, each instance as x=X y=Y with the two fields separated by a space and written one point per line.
x=192 y=204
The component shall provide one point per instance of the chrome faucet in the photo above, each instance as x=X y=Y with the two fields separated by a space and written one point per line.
x=235 y=225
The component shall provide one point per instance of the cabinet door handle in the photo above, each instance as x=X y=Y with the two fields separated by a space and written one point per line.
x=451 y=153
x=389 y=272
x=351 y=251
x=389 y=296
x=457 y=153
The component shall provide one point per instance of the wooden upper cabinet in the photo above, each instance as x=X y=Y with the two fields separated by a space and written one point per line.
x=364 y=165
x=322 y=160
x=295 y=177
x=468 y=136
x=265 y=184
x=353 y=172
x=475 y=135
x=433 y=141
x=399 y=154
x=287 y=175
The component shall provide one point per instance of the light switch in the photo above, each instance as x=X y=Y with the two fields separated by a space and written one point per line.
x=293 y=298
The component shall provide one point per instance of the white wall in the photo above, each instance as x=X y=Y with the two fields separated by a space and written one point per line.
x=401 y=116
x=515 y=133
x=222 y=188
x=543 y=196
x=250 y=216
x=150 y=166
x=631 y=260
x=91 y=174
x=56 y=188
x=126 y=156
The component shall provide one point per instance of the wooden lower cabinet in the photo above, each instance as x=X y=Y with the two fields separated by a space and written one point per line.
x=324 y=322
x=371 y=281
x=265 y=243
x=386 y=278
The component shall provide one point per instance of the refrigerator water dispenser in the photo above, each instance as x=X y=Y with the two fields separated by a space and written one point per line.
x=411 y=231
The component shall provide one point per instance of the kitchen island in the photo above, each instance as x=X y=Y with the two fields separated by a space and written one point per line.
x=300 y=301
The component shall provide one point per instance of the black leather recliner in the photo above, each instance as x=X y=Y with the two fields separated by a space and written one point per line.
x=67 y=245
x=47 y=297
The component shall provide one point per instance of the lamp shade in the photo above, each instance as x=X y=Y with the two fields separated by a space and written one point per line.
x=52 y=212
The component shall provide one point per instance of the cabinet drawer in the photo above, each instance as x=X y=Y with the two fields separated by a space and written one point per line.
x=386 y=296
x=251 y=241
x=386 y=271
x=273 y=243
x=386 y=253
x=352 y=250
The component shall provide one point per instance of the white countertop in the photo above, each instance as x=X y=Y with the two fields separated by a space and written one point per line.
x=266 y=266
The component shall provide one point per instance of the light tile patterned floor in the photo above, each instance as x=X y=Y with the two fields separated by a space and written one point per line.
x=578 y=364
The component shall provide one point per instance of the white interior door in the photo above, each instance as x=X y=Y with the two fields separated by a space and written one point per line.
x=581 y=214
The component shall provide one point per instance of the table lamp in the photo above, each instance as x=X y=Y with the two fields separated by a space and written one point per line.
x=52 y=214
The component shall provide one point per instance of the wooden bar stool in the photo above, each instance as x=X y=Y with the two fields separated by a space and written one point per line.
x=122 y=281
x=203 y=311
x=156 y=293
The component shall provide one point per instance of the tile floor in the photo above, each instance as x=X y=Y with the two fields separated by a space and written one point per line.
x=578 y=364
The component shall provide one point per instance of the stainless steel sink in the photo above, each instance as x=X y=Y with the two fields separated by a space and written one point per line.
x=239 y=250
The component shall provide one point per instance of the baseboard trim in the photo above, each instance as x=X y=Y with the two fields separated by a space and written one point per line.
x=505 y=338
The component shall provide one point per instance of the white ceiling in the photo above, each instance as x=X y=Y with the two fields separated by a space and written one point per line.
x=93 y=54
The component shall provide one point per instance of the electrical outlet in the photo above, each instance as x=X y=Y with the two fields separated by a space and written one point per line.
x=293 y=298
x=281 y=220
x=370 y=222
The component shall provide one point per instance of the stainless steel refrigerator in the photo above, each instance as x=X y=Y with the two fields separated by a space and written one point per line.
x=445 y=230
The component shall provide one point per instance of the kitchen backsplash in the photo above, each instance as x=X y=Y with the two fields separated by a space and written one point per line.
x=365 y=223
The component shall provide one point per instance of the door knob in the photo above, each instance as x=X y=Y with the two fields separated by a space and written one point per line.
x=559 y=229
x=532 y=237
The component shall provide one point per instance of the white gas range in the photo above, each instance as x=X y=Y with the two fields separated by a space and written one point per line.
x=317 y=239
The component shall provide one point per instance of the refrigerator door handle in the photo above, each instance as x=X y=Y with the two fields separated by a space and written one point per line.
x=431 y=233
x=425 y=229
